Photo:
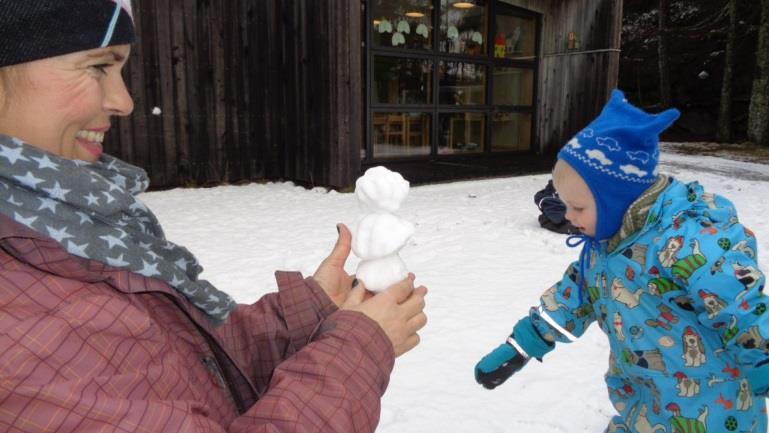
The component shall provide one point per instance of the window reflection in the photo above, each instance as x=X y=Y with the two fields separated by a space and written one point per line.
x=463 y=27
x=513 y=86
x=402 y=81
x=466 y=59
x=462 y=83
x=515 y=38
x=401 y=134
x=461 y=133
x=402 y=23
x=510 y=131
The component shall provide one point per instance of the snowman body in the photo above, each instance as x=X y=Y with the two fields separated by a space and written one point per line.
x=381 y=233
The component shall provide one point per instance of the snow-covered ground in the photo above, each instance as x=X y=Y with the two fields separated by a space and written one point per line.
x=479 y=249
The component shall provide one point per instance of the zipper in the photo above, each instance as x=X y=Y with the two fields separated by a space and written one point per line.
x=213 y=364
x=210 y=362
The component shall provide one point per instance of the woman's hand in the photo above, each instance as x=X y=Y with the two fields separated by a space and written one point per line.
x=331 y=275
x=399 y=310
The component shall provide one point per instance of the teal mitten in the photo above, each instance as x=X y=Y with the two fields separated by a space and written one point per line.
x=507 y=359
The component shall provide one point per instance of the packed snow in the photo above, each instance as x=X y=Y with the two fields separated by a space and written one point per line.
x=479 y=249
x=381 y=233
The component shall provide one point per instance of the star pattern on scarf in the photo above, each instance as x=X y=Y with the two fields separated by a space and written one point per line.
x=12 y=155
x=45 y=162
x=57 y=192
x=91 y=210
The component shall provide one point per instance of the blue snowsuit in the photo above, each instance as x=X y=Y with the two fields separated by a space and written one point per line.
x=682 y=304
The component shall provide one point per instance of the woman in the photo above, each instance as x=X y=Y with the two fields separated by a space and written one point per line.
x=105 y=325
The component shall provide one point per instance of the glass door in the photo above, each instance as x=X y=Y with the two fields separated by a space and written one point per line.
x=514 y=79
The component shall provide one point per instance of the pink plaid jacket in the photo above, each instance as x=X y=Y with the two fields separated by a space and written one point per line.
x=88 y=348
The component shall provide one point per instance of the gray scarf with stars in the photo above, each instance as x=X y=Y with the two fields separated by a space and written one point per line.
x=91 y=209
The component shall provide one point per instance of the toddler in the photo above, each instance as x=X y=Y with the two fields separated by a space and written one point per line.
x=669 y=274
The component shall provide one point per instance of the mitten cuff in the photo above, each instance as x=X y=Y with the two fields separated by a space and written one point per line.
x=529 y=339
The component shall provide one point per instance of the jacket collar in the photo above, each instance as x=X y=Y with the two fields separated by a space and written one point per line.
x=636 y=216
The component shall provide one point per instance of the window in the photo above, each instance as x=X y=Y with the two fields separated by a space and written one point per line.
x=402 y=24
x=462 y=83
x=463 y=27
x=449 y=77
x=402 y=81
x=401 y=134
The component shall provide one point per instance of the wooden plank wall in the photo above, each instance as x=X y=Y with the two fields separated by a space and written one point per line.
x=247 y=89
x=574 y=85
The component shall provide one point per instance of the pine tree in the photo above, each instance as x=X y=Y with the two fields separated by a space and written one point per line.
x=758 y=119
x=663 y=43
x=724 y=130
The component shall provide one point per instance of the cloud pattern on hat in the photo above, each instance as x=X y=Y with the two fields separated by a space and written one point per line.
x=617 y=155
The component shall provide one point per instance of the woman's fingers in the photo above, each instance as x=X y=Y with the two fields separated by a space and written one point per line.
x=411 y=342
x=417 y=322
x=401 y=290
x=415 y=303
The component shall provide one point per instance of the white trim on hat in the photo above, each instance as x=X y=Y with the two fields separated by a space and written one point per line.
x=112 y=24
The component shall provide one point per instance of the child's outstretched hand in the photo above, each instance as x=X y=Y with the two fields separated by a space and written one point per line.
x=504 y=361
x=524 y=343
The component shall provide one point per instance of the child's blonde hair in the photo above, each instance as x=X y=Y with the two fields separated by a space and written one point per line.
x=562 y=170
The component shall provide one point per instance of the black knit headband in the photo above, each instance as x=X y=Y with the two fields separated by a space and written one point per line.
x=37 y=29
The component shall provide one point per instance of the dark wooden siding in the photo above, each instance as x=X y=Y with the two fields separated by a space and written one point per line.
x=575 y=84
x=273 y=89
x=248 y=89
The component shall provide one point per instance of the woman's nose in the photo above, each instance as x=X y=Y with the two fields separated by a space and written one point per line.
x=117 y=100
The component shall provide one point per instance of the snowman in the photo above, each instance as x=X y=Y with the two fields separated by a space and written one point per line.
x=380 y=233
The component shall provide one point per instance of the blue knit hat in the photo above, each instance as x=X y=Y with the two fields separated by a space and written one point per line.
x=38 y=29
x=617 y=156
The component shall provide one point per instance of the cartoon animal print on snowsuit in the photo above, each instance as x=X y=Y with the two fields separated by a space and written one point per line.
x=549 y=301
x=710 y=199
x=718 y=266
x=660 y=285
x=650 y=359
x=685 y=317
x=686 y=387
x=669 y=255
x=742 y=246
x=618 y=330
x=747 y=275
x=642 y=424
x=694 y=349
x=744 y=396
x=654 y=391
x=752 y=339
x=665 y=319
x=684 y=268
x=713 y=304
x=682 y=424
x=621 y=294
x=594 y=292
